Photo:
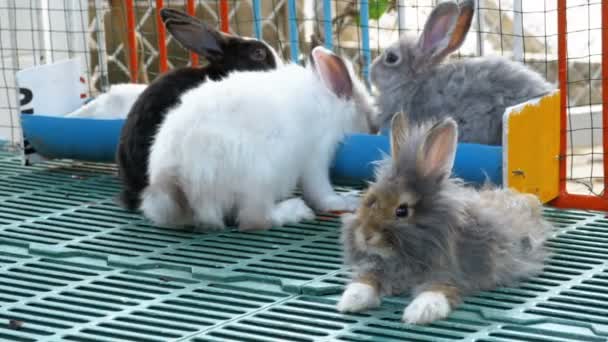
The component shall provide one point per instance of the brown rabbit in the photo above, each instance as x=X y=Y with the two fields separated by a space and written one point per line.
x=420 y=231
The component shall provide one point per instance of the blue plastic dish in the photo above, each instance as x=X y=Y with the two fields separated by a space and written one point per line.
x=72 y=138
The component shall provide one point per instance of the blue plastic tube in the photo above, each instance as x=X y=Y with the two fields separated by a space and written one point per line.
x=96 y=140
x=358 y=152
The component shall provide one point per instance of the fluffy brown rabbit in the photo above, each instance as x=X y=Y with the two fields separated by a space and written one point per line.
x=420 y=231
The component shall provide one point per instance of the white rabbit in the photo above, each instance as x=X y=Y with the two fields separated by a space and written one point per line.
x=113 y=104
x=237 y=147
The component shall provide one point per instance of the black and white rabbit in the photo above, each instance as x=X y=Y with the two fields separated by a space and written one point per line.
x=225 y=53
x=410 y=76
x=238 y=148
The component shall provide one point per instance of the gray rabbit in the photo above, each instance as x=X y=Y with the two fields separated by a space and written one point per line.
x=419 y=231
x=410 y=76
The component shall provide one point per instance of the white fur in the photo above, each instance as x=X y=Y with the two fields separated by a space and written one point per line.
x=291 y=211
x=114 y=104
x=348 y=202
x=358 y=297
x=246 y=141
x=163 y=210
x=427 y=307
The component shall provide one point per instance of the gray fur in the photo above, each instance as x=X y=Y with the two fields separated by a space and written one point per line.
x=456 y=235
x=475 y=92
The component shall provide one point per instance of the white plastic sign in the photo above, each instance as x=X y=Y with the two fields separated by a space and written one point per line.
x=51 y=89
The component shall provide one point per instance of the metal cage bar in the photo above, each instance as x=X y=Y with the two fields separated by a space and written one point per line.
x=605 y=94
x=562 y=55
x=327 y=25
x=365 y=49
x=132 y=40
x=224 y=16
x=162 y=47
x=257 y=18
x=565 y=199
x=293 y=30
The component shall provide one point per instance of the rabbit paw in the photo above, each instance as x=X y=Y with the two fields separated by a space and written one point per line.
x=343 y=202
x=427 y=307
x=291 y=211
x=358 y=297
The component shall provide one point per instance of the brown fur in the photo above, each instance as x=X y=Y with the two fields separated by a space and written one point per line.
x=369 y=279
x=376 y=206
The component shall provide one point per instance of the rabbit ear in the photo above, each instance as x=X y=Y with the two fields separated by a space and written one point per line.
x=437 y=152
x=193 y=34
x=399 y=126
x=436 y=36
x=333 y=72
x=463 y=24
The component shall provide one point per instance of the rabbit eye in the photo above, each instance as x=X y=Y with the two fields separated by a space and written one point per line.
x=391 y=58
x=402 y=211
x=258 y=54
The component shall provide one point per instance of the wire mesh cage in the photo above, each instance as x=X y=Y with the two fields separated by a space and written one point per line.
x=124 y=41
x=583 y=54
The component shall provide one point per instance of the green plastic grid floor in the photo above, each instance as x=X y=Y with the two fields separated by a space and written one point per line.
x=74 y=267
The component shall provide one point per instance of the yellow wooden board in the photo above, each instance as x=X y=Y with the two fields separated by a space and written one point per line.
x=531 y=136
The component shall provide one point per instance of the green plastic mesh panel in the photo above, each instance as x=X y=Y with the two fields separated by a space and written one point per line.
x=75 y=267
